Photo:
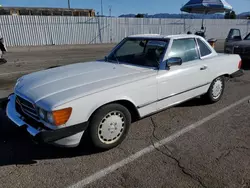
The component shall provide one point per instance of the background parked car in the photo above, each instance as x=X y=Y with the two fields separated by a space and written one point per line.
x=236 y=45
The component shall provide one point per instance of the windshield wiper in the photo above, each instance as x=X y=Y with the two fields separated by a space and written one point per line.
x=108 y=60
x=116 y=58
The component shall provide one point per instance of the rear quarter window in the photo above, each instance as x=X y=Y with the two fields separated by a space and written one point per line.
x=204 y=49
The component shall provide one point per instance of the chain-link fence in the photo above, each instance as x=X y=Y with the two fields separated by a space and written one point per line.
x=60 y=30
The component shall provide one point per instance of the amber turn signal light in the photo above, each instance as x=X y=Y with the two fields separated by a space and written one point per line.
x=61 y=116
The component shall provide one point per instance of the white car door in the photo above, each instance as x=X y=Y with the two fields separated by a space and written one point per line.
x=205 y=55
x=185 y=81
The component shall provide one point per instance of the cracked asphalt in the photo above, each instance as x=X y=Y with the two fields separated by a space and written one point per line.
x=215 y=154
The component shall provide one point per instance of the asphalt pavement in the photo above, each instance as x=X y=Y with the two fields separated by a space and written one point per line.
x=191 y=145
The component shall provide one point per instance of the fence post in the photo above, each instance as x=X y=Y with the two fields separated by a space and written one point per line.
x=99 y=29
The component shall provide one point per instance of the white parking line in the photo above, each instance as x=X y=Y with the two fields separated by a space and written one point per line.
x=104 y=172
x=19 y=72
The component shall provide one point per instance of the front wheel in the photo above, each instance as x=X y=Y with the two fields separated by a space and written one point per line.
x=215 y=90
x=109 y=126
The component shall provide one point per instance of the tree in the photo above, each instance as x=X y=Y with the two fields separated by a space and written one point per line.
x=139 y=16
x=232 y=15
x=227 y=15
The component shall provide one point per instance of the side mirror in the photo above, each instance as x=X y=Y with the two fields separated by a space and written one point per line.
x=173 y=61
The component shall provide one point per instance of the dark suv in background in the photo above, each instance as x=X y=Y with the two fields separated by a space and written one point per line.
x=236 y=45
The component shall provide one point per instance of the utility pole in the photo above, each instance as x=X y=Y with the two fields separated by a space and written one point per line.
x=184 y=20
x=101 y=9
x=110 y=10
x=68 y=4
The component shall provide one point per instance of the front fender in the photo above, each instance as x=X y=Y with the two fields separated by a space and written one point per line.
x=103 y=103
x=83 y=108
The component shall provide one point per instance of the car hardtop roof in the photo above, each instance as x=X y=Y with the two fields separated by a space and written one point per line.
x=158 y=36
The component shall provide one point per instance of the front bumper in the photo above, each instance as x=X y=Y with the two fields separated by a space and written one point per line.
x=237 y=74
x=40 y=134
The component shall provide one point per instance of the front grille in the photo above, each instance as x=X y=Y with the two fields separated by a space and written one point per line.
x=26 y=108
x=28 y=113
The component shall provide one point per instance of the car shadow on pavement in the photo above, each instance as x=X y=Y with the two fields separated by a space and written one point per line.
x=198 y=101
x=17 y=148
x=3 y=61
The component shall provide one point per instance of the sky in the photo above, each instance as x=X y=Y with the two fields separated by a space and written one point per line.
x=122 y=6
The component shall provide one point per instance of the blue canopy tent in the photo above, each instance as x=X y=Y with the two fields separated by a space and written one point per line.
x=206 y=7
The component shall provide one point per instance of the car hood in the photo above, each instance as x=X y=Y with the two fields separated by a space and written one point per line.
x=60 y=85
x=242 y=43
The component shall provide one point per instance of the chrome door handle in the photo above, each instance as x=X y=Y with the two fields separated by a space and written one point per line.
x=203 y=67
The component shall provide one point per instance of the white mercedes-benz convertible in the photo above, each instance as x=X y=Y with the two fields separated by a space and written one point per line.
x=143 y=74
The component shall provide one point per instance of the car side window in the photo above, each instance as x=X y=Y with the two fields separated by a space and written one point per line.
x=235 y=33
x=184 y=49
x=204 y=49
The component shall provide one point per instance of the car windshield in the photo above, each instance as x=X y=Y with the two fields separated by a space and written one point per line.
x=142 y=52
x=247 y=37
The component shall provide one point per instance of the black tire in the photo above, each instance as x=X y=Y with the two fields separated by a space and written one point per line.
x=99 y=116
x=209 y=96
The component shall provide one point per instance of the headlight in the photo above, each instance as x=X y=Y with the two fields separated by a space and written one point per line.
x=50 y=117
x=42 y=113
x=57 y=118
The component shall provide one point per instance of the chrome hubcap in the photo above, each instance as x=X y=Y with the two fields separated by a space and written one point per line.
x=217 y=89
x=111 y=127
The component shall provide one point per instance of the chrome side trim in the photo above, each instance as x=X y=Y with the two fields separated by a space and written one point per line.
x=172 y=95
x=172 y=105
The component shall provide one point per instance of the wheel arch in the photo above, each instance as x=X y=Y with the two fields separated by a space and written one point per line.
x=225 y=75
x=135 y=115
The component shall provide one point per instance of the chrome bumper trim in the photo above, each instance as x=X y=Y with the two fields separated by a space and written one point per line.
x=16 y=118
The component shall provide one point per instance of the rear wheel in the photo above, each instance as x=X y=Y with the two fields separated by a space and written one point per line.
x=215 y=90
x=109 y=126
